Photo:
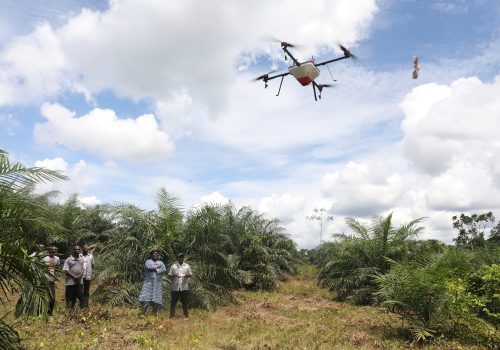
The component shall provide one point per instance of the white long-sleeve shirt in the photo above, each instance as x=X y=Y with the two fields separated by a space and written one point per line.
x=179 y=275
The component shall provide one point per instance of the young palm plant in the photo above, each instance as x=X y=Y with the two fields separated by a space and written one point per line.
x=349 y=265
x=22 y=212
x=430 y=294
x=120 y=264
x=215 y=270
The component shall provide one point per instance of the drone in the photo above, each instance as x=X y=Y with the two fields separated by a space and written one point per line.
x=305 y=72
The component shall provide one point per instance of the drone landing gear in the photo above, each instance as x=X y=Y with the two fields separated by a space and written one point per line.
x=314 y=89
x=281 y=83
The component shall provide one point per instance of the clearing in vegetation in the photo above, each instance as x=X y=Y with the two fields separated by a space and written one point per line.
x=297 y=315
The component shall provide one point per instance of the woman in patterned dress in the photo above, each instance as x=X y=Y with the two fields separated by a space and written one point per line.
x=152 y=289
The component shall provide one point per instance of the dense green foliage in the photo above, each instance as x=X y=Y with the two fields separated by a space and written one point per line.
x=436 y=289
x=434 y=296
x=227 y=248
x=348 y=265
x=471 y=230
x=23 y=215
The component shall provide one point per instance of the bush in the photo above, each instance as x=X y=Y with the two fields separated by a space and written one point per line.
x=348 y=266
x=485 y=283
x=431 y=295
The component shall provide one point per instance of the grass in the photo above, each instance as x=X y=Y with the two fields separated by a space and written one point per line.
x=298 y=315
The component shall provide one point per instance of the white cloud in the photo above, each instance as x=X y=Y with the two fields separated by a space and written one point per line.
x=451 y=153
x=80 y=177
x=213 y=198
x=363 y=190
x=57 y=164
x=89 y=201
x=102 y=133
x=34 y=67
x=286 y=207
x=171 y=48
x=174 y=113
x=268 y=126
x=446 y=124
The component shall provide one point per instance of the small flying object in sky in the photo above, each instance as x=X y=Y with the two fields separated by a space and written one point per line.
x=416 y=67
x=305 y=72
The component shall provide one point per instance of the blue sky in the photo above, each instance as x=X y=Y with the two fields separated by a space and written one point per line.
x=129 y=96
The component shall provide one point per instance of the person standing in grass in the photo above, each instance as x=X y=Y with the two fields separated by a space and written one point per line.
x=152 y=289
x=52 y=261
x=88 y=259
x=179 y=288
x=74 y=268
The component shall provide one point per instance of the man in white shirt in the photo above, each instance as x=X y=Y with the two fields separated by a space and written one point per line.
x=179 y=288
x=74 y=268
x=88 y=259
x=51 y=260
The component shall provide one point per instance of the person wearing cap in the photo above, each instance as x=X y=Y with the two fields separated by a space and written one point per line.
x=179 y=288
x=152 y=289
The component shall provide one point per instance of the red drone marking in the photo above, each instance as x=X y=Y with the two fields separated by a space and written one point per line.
x=304 y=72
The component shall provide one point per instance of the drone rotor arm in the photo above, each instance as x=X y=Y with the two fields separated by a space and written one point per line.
x=277 y=76
x=330 y=61
x=284 y=47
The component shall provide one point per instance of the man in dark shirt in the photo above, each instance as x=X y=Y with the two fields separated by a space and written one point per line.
x=74 y=268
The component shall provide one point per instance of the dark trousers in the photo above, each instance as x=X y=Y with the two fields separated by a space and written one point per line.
x=174 y=298
x=86 y=293
x=72 y=293
x=52 y=297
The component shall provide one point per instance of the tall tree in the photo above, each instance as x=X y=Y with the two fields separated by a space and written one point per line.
x=471 y=229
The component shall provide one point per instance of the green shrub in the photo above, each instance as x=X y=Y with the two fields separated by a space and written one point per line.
x=485 y=283
x=431 y=295
x=347 y=267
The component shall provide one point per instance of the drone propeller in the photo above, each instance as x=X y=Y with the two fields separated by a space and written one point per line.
x=321 y=86
x=264 y=76
x=346 y=52
x=276 y=40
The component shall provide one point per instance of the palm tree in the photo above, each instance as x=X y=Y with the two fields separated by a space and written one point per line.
x=207 y=245
x=121 y=259
x=226 y=248
x=21 y=213
x=348 y=266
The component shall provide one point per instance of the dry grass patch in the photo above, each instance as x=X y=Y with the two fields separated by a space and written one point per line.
x=298 y=315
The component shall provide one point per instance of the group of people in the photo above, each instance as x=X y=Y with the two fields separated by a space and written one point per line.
x=78 y=272
x=152 y=289
x=77 y=269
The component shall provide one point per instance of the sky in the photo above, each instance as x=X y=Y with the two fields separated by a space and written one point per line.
x=129 y=96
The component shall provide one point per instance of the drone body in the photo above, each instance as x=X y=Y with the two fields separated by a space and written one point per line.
x=304 y=72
